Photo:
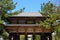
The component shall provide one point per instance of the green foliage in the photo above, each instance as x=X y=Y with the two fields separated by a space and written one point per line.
x=17 y=12
x=5 y=35
x=52 y=14
x=57 y=29
x=58 y=11
x=5 y=7
x=37 y=37
x=22 y=37
x=47 y=8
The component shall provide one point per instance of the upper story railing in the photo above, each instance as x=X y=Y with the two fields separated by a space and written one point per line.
x=22 y=24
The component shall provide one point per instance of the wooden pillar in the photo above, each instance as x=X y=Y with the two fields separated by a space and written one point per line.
x=42 y=36
x=16 y=36
x=33 y=36
x=49 y=36
x=46 y=36
x=10 y=36
x=25 y=36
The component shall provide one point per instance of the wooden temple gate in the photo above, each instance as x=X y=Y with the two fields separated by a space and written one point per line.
x=27 y=25
x=16 y=31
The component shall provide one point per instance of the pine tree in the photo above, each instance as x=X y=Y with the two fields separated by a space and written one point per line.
x=51 y=13
x=6 y=6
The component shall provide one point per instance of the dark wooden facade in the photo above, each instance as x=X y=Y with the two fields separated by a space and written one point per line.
x=27 y=29
x=27 y=25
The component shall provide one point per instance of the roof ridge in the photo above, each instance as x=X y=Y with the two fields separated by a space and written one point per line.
x=29 y=14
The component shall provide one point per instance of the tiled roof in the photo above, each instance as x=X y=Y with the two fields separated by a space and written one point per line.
x=29 y=14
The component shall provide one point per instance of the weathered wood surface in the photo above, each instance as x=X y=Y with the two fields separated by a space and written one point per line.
x=27 y=29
